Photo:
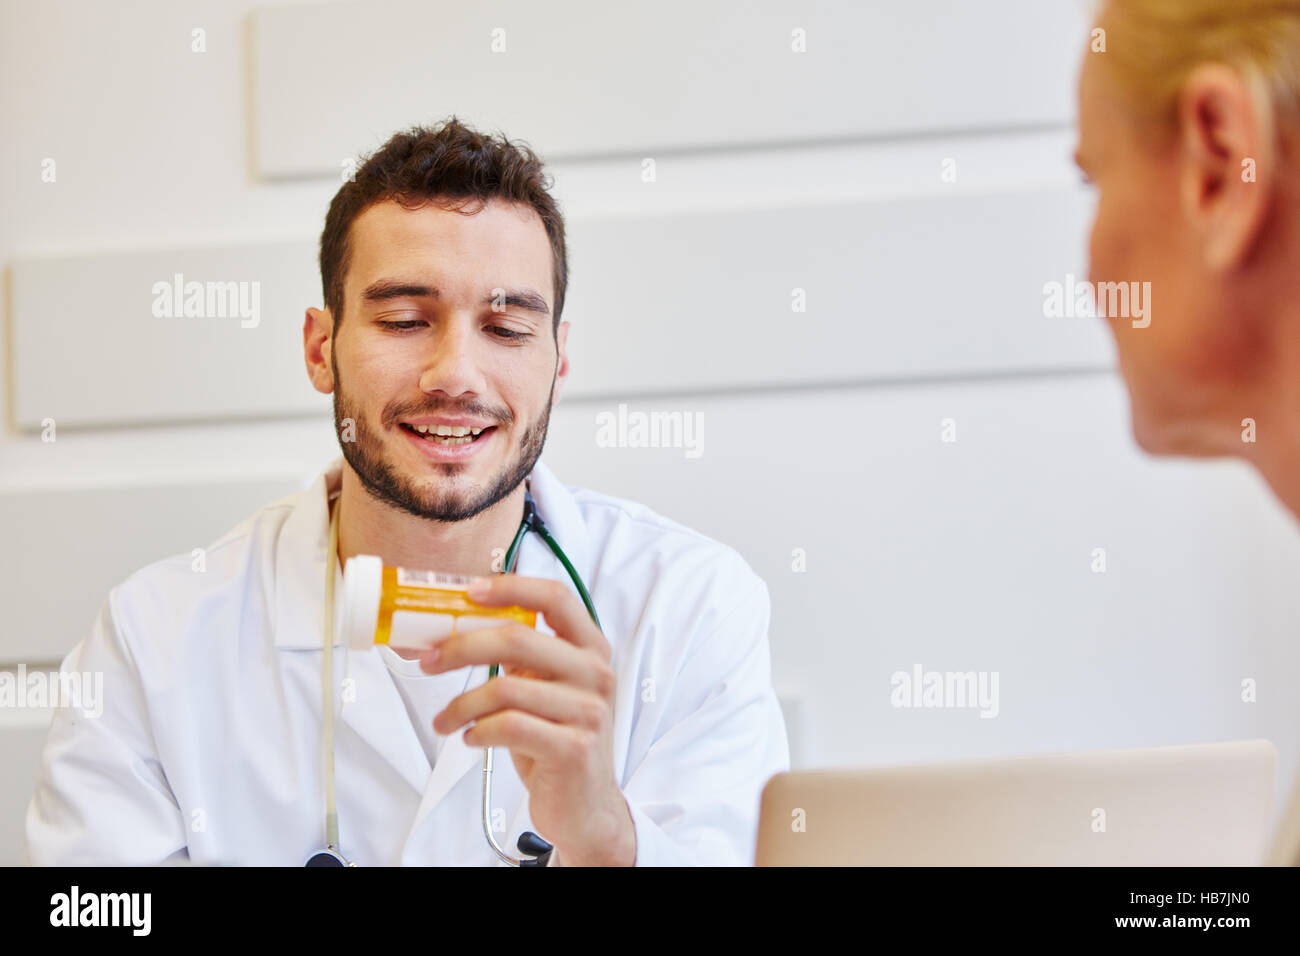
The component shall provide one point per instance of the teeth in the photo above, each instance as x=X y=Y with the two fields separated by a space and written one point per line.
x=447 y=430
x=447 y=434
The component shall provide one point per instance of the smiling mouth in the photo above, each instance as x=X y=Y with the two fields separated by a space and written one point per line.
x=466 y=437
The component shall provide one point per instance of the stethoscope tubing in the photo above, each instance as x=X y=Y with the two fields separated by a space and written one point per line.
x=532 y=522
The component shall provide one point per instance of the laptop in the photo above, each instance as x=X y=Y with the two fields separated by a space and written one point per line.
x=1286 y=845
x=1198 y=805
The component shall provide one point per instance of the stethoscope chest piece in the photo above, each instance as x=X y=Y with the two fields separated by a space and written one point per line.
x=327 y=857
x=531 y=843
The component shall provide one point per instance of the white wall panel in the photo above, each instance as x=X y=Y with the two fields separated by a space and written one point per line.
x=896 y=289
x=589 y=78
x=65 y=548
x=89 y=349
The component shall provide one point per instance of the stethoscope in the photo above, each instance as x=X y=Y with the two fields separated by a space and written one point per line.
x=529 y=842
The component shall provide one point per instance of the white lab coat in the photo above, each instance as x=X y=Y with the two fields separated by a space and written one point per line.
x=210 y=742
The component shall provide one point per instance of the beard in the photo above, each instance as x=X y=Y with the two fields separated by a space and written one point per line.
x=384 y=483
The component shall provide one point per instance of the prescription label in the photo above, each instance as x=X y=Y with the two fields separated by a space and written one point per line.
x=409 y=578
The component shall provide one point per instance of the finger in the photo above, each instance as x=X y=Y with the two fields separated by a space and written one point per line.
x=564 y=612
x=558 y=703
x=526 y=735
x=515 y=645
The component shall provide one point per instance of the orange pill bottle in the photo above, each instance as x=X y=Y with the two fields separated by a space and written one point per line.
x=413 y=609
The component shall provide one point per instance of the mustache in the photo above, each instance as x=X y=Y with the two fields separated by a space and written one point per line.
x=392 y=416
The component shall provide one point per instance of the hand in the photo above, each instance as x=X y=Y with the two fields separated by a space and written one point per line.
x=552 y=706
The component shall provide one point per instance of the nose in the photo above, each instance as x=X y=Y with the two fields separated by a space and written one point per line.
x=453 y=366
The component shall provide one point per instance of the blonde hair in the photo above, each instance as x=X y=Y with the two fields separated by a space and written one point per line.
x=1152 y=46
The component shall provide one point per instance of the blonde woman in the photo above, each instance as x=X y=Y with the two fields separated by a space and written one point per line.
x=1189 y=125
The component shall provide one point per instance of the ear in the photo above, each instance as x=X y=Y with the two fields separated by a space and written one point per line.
x=317 y=344
x=1226 y=162
x=562 y=363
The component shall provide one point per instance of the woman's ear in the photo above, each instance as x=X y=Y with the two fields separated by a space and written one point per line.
x=1226 y=161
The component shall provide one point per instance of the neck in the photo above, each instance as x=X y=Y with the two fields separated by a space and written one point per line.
x=1276 y=450
x=1277 y=455
x=370 y=526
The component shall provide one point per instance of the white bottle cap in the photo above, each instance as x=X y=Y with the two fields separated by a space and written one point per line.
x=363 y=582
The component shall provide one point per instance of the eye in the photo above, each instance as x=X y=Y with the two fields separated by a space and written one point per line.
x=504 y=333
x=402 y=326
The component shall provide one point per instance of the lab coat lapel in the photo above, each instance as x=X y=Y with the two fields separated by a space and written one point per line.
x=455 y=759
x=373 y=708
x=371 y=704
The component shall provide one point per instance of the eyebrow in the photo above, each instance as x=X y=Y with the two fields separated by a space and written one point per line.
x=384 y=289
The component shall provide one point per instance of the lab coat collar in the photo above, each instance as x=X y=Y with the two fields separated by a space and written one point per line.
x=560 y=511
x=383 y=722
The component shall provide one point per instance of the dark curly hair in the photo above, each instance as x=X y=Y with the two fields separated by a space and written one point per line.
x=449 y=165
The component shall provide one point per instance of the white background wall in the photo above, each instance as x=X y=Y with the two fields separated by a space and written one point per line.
x=971 y=555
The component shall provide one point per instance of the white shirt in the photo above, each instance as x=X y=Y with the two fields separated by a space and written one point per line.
x=424 y=696
x=210 y=742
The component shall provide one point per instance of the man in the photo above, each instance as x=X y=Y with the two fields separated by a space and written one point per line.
x=443 y=265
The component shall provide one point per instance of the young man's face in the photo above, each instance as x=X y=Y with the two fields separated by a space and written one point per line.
x=447 y=321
